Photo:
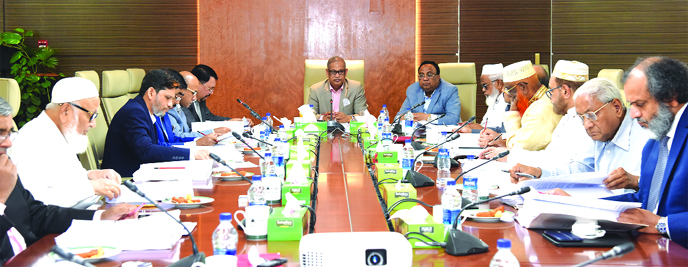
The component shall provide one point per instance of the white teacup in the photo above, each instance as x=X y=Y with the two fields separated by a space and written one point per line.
x=587 y=229
x=218 y=261
x=256 y=227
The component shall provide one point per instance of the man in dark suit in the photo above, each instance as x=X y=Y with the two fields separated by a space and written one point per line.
x=24 y=220
x=132 y=136
x=657 y=89
x=198 y=111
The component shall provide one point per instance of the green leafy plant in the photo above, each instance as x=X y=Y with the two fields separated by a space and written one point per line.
x=33 y=70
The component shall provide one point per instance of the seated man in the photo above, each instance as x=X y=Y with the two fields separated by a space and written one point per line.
x=657 y=89
x=440 y=96
x=492 y=86
x=59 y=133
x=177 y=117
x=132 y=136
x=347 y=96
x=618 y=142
x=24 y=220
x=569 y=138
x=542 y=75
x=198 y=111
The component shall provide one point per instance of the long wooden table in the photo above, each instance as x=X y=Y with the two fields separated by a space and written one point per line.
x=347 y=202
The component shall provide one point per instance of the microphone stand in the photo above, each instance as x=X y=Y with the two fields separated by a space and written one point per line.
x=418 y=179
x=256 y=115
x=395 y=122
x=186 y=261
x=413 y=134
x=471 y=119
x=69 y=256
x=238 y=137
x=614 y=252
x=333 y=125
x=499 y=156
x=261 y=141
x=217 y=159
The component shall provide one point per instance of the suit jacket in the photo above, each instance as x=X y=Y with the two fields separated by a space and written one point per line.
x=33 y=219
x=672 y=195
x=168 y=137
x=132 y=140
x=192 y=115
x=321 y=95
x=445 y=100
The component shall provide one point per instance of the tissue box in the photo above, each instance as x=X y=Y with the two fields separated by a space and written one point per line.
x=354 y=126
x=282 y=228
x=389 y=170
x=311 y=127
x=430 y=228
x=387 y=157
x=370 y=143
x=301 y=192
x=391 y=195
x=306 y=166
x=310 y=141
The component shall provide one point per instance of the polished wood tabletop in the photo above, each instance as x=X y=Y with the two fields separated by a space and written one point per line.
x=347 y=201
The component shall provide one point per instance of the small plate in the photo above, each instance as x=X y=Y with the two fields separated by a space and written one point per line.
x=107 y=252
x=471 y=215
x=204 y=200
x=249 y=151
x=233 y=177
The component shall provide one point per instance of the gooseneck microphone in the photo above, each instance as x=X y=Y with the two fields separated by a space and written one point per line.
x=406 y=111
x=256 y=115
x=499 y=156
x=69 y=256
x=238 y=137
x=186 y=261
x=471 y=119
x=413 y=134
x=333 y=125
x=614 y=252
x=418 y=179
x=217 y=159
x=247 y=135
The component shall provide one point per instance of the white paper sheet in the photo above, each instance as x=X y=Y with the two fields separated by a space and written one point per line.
x=237 y=126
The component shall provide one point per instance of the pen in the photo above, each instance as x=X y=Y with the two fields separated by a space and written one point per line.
x=201 y=133
x=488 y=143
x=485 y=124
x=522 y=174
x=132 y=213
x=170 y=168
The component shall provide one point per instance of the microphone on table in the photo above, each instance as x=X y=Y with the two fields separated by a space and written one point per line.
x=395 y=122
x=333 y=125
x=247 y=135
x=413 y=134
x=469 y=121
x=614 y=252
x=186 y=261
x=217 y=159
x=499 y=156
x=418 y=179
x=460 y=243
x=238 y=137
x=256 y=115
x=69 y=256
x=418 y=146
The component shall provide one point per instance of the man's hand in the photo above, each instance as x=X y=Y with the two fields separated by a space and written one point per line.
x=325 y=116
x=116 y=212
x=208 y=140
x=202 y=154
x=558 y=192
x=221 y=130
x=109 y=174
x=514 y=101
x=619 y=178
x=640 y=216
x=341 y=117
x=491 y=152
x=105 y=187
x=471 y=126
x=537 y=172
x=8 y=177
x=486 y=137
x=421 y=116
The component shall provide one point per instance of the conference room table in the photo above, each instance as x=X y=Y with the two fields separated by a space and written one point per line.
x=347 y=202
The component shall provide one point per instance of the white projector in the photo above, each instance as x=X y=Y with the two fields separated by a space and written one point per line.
x=355 y=249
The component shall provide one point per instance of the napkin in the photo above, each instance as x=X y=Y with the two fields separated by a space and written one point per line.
x=286 y=122
x=299 y=133
x=417 y=214
x=293 y=205
x=296 y=174
x=254 y=257
x=307 y=113
x=301 y=151
x=370 y=122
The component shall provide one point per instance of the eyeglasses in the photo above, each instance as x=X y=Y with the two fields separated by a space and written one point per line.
x=192 y=91
x=93 y=115
x=335 y=72
x=485 y=85
x=4 y=134
x=507 y=90
x=429 y=75
x=209 y=89
x=592 y=116
x=549 y=92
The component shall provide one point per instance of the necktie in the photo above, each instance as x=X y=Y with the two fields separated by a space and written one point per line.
x=653 y=199
x=197 y=107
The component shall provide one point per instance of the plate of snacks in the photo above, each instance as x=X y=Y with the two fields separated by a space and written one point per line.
x=188 y=201
x=485 y=215
x=232 y=176
x=91 y=253
x=249 y=151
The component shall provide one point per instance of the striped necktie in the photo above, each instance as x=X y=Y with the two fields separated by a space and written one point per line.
x=197 y=108
x=658 y=177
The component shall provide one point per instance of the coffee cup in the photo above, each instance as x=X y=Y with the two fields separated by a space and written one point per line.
x=256 y=218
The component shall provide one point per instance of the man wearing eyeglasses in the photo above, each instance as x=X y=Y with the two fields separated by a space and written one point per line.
x=177 y=116
x=347 y=96
x=198 y=110
x=618 y=141
x=45 y=148
x=492 y=86
x=440 y=96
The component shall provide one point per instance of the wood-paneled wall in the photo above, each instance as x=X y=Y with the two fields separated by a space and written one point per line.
x=499 y=31
x=258 y=49
x=612 y=34
x=438 y=30
x=105 y=35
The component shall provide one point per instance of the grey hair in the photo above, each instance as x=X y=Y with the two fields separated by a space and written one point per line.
x=495 y=76
x=601 y=89
x=52 y=105
x=5 y=108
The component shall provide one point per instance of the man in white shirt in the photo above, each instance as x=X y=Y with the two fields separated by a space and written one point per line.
x=492 y=86
x=45 y=148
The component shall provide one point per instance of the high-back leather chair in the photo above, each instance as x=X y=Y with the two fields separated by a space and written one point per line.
x=91 y=75
x=9 y=90
x=614 y=75
x=113 y=95
x=135 y=79
x=315 y=72
x=463 y=76
x=93 y=156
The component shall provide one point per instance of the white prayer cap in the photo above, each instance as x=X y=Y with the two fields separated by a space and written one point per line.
x=489 y=69
x=72 y=89
x=571 y=71
x=518 y=71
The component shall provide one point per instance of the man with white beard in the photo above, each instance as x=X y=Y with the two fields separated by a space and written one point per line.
x=45 y=149
x=492 y=86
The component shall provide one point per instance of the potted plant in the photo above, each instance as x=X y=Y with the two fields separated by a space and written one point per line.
x=33 y=70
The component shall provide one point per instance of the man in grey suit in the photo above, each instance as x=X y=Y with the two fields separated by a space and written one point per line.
x=347 y=96
x=440 y=96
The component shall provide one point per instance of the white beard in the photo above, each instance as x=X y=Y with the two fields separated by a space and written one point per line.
x=490 y=99
x=77 y=142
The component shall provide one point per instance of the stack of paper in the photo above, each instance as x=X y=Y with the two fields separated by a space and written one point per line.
x=587 y=184
x=198 y=171
x=236 y=126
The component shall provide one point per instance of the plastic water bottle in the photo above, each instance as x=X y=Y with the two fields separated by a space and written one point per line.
x=267 y=165
x=504 y=257
x=264 y=134
x=384 y=108
x=256 y=193
x=408 y=122
x=386 y=133
x=282 y=133
x=470 y=187
x=269 y=118
x=278 y=158
x=447 y=200
x=443 y=164
x=247 y=126
x=225 y=236
x=408 y=159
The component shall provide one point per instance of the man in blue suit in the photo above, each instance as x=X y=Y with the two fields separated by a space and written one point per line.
x=132 y=137
x=440 y=96
x=657 y=89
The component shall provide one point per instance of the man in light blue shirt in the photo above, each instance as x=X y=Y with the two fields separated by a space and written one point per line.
x=618 y=142
x=180 y=127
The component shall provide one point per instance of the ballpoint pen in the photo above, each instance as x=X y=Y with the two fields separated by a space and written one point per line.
x=488 y=143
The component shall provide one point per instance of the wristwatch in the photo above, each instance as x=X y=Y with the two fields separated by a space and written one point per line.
x=662 y=225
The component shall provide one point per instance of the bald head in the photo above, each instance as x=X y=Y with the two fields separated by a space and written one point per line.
x=192 y=88
x=542 y=75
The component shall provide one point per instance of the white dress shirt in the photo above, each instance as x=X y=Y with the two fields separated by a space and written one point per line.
x=495 y=113
x=46 y=166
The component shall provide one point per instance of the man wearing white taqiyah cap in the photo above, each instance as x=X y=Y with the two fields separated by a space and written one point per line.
x=492 y=85
x=569 y=138
x=45 y=149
